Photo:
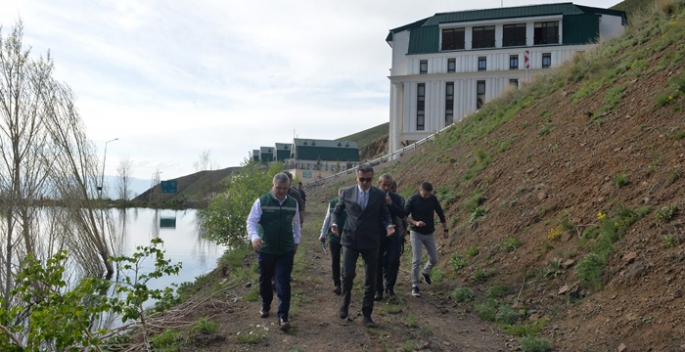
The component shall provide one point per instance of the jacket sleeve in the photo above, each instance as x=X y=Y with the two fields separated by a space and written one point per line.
x=397 y=206
x=438 y=209
x=385 y=212
x=339 y=208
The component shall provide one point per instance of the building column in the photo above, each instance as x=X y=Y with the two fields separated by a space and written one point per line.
x=395 y=132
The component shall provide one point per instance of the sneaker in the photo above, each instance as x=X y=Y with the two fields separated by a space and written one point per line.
x=378 y=296
x=427 y=277
x=415 y=292
x=284 y=325
x=264 y=312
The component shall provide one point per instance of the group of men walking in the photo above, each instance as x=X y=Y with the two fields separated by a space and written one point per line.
x=364 y=221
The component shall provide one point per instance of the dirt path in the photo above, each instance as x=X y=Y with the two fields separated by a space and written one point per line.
x=430 y=323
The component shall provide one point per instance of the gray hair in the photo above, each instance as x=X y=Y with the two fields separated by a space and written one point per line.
x=281 y=178
x=385 y=177
x=365 y=168
x=287 y=173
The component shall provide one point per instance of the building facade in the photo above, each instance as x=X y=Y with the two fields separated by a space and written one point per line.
x=447 y=66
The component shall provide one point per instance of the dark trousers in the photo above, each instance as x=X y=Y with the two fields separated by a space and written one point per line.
x=280 y=266
x=370 y=258
x=388 y=264
x=336 y=251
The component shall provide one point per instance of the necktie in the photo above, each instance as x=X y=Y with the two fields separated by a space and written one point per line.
x=363 y=203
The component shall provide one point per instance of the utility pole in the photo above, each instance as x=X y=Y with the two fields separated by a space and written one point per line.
x=104 y=163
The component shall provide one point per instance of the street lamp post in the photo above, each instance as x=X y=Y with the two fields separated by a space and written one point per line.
x=104 y=161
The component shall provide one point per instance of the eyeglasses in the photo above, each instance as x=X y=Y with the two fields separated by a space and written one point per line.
x=365 y=179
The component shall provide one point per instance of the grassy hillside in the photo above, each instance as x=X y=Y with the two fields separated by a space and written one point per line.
x=633 y=6
x=366 y=137
x=194 y=190
x=566 y=198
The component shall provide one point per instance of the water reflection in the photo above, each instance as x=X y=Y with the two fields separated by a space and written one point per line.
x=183 y=242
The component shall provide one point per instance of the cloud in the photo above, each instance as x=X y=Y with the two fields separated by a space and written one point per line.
x=171 y=79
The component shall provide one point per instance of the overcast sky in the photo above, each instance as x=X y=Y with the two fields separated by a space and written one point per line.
x=172 y=79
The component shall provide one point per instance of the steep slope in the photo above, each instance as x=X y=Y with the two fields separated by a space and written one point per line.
x=194 y=190
x=569 y=194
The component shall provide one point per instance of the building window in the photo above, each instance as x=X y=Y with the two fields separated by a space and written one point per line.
x=423 y=67
x=480 y=93
x=483 y=37
x=513 y=62
x=546 y=60
x=482 y=63
x=449 y=103
x=451 y=65
x=514 y=82
x=421 y=107
x=546 y=33
x=514 y=34
x=453 y=39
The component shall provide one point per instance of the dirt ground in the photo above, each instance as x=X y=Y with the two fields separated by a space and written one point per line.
x=430 y=323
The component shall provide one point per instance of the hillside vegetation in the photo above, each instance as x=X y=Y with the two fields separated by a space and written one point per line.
x=568 y=197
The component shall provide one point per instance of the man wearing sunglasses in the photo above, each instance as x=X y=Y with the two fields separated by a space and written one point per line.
x=367 y=215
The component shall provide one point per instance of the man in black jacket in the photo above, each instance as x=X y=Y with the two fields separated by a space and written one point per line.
x=367 y=215
x=389 y=254
x=422 y=207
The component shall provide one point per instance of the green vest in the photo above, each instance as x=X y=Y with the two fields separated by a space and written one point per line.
x=276 y=224
x=341 y=222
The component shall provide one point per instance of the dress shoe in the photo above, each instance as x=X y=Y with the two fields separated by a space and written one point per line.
x=391 y=295
x=337 y=290
x=264 y=312
x=378 y=296
x=343 y=312
x=284 y=324
x=368 y=322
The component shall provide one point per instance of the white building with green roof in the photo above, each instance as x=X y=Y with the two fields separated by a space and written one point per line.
x=446 y=66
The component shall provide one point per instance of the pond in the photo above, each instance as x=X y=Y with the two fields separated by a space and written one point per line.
x=180 y=232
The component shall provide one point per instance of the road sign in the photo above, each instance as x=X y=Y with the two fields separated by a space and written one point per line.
x=526 y=59
x=169 y=186
x=167 y=223
x=307 y=174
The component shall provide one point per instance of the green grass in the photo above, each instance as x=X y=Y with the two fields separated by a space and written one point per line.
x=462 y=294
x=506 y=315
x=527 y=329
x=457 y=261
x=589 y=271
x=534 y=344
x=471 y=252
x=205 y=326
x=498 y=290
x=665 y=214
x=368 y=136
x=510 y=244
x=670 y=241
x=168 y=341
x=487 y=310
x=412 y=321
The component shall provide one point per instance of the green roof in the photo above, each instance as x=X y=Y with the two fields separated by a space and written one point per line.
x=424 y=35
x=266 y=154
x=326 y=150
x=283 y=151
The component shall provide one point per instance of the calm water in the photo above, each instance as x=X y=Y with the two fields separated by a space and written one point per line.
x=182 y=241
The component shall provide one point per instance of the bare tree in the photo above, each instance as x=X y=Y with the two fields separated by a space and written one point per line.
x=124 y=172
x=44 y=153
x=205 y=162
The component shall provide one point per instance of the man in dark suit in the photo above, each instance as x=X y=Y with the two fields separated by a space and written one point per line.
x=367 y=215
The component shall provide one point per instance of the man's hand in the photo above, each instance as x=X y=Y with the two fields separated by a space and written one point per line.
x=334 y=229
x=419 y=224
x=322 y=239
x=445 y=231
x=390 y=230
x=257 y=244
x=296 y=244
x=388 y=199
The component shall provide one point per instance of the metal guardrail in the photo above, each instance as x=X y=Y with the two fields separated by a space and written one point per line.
x=382 y=159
